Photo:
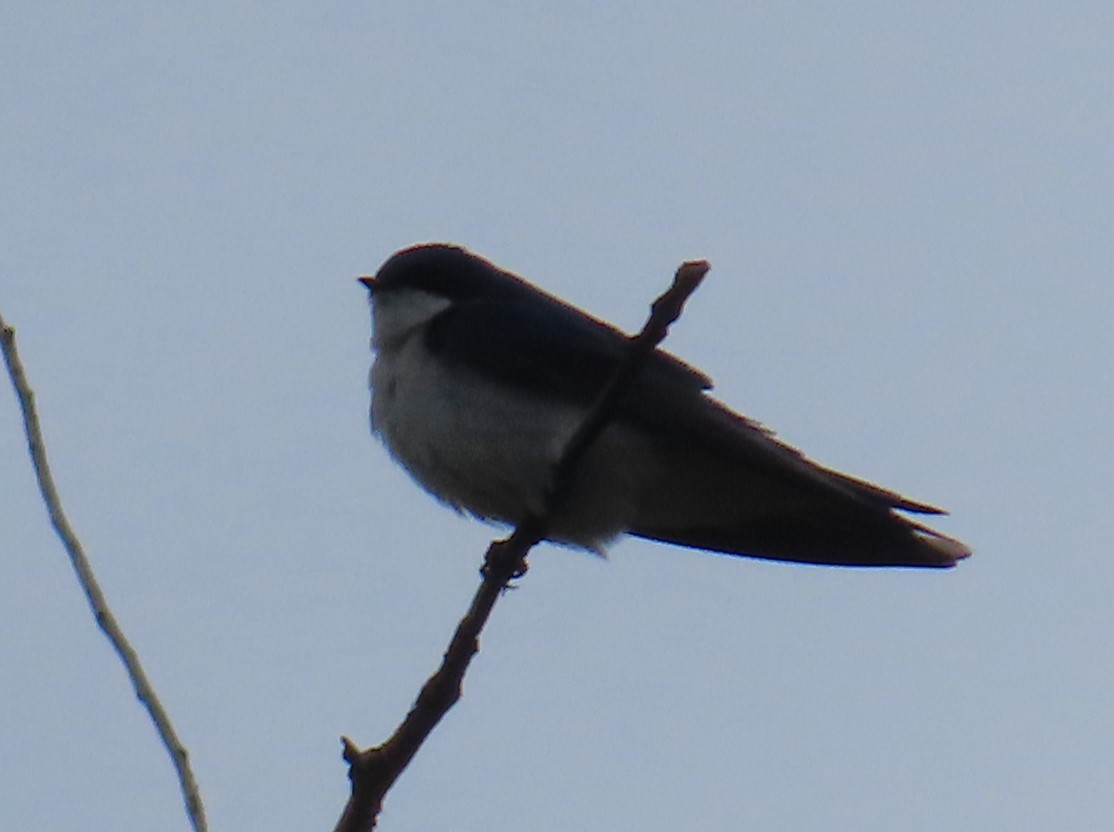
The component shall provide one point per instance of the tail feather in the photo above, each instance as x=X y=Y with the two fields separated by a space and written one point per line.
x=869 y=539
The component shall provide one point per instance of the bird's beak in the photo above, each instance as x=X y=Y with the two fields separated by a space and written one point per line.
x=368 y=281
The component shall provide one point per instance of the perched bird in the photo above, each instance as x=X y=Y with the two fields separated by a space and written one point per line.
x=480 y=378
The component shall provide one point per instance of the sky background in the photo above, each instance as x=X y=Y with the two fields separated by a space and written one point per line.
x=909 y=210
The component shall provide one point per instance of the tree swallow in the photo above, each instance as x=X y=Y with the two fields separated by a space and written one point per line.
x=480 y=378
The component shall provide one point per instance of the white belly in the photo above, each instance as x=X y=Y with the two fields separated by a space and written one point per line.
x=492 y=455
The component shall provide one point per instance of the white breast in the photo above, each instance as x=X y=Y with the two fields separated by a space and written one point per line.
x=483 y=451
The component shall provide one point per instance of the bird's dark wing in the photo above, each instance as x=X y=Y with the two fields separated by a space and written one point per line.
x=541 y=345
x=554 y=351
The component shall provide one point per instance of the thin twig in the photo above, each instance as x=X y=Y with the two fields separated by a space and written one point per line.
x=663 y=312
x=104 y=617
x=373 y=771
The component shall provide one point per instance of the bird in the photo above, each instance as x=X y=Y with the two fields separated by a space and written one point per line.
x=479 y=378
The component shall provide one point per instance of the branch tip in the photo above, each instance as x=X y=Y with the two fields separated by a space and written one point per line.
x=351 y=751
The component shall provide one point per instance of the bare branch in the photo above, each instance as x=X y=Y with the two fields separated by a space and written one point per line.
x=101 y=612
x=374 y=770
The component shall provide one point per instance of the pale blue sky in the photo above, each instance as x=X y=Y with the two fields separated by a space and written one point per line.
x=910 y=216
